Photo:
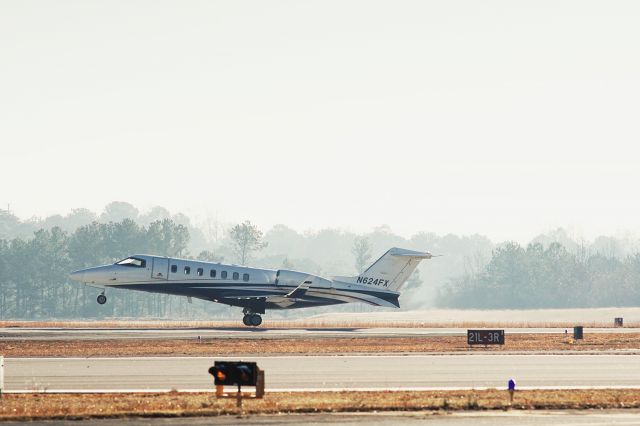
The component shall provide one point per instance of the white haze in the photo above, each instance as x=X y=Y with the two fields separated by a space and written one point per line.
x=505 y=118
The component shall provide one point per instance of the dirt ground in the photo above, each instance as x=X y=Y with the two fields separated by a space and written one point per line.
x=181 y=347
x=74 y=406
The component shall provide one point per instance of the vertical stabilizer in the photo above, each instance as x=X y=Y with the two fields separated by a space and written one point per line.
x=393 y=269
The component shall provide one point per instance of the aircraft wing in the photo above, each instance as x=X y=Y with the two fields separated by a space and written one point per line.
x=270 y=294
x=300 y=290
x=273 y=295
x=250 y=293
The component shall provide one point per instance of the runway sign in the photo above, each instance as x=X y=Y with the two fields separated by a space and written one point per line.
x=485 y=337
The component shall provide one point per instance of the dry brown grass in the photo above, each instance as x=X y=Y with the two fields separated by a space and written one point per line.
x=47 y=406
x=311 y=346
x=306 y=323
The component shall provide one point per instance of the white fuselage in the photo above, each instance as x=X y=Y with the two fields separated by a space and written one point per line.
x=252 y=288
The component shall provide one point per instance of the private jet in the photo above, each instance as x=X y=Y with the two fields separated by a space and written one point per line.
x=254 y=289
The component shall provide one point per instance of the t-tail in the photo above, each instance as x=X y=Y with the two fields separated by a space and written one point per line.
x=391 y=271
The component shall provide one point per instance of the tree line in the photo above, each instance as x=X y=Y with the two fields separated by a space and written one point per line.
x=536 y=276
x=34 y=272
x=552 y=271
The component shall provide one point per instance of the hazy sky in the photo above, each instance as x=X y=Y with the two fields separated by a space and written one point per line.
x=506 y=118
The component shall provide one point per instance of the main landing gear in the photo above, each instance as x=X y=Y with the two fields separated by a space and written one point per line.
x=102 y=299
x=251 y=319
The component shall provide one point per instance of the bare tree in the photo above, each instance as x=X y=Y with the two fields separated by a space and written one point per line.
x=362 y=252
x=213 y=230
x=209 y=256
x=246 y=238
x=287 y=264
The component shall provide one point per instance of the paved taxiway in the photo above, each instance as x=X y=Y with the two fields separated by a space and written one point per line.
x=329 y=372
x=259 y=333
x=473 y=418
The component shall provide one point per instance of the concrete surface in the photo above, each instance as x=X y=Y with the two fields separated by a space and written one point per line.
x=260 y=333
x=498 y=418
x=329 y=372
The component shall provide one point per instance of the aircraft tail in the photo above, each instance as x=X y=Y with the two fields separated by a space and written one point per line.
x=393 y=269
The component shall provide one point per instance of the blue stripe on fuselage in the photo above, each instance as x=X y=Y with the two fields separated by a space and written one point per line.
x=224 y=290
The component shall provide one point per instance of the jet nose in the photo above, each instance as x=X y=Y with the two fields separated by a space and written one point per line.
x=77 y=276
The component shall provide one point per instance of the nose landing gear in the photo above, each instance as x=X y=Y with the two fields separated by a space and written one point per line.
x=251 y=319
x=102 y=299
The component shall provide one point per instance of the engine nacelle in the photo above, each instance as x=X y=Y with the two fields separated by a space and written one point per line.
x=285 y=277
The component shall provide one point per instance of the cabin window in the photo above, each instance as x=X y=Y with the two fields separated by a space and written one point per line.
x=236 y=275
x=245 y=277
x=212 y=273
x=187 y=270
x=223 y=274
x=174 y=268
x=200 y=271
x=133 y=261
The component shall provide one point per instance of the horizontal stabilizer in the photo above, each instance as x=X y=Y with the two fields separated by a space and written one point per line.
x=412 y=254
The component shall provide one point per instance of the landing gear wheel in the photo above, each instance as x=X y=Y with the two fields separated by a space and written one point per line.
x=245 y=320
x=102 y=299
x=255 y=320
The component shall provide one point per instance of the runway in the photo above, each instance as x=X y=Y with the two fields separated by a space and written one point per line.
x=299 y=373
x=260 y=333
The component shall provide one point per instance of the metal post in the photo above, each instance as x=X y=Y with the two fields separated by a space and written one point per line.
x=1 y=375
x=239 y=397
x=260 y=384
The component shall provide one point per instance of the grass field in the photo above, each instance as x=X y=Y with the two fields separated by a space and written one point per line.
x=211 y=346
x=74 y=406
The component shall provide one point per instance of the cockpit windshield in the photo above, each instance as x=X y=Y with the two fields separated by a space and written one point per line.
x=132 y=261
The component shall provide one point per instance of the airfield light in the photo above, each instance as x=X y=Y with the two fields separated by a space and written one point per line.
x=234 y=373
x=511 y=386
x=244 y=373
